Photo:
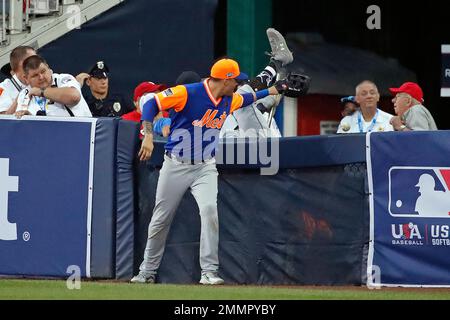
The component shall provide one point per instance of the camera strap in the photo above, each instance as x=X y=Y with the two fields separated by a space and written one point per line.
x=67 y=108
x=69 y=111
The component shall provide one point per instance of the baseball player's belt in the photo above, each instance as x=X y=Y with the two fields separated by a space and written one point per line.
x=186 y=161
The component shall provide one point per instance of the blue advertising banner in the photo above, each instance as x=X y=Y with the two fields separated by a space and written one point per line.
x=45 y=196
x=409 y=186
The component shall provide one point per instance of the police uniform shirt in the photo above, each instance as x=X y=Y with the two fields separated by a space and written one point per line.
x=113 y=105
x=9 y=89
x=55 y=109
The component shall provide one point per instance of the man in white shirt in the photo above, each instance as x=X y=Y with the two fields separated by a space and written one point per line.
x=48 y=93
x=10 y=88
x=252 y=121
x=369 y=118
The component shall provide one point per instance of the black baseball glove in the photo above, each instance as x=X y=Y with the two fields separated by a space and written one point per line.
x=294 y=85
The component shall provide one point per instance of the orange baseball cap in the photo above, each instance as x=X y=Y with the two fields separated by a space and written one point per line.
x=227 y=69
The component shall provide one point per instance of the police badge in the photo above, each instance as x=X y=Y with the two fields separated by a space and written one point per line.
x=117 y=106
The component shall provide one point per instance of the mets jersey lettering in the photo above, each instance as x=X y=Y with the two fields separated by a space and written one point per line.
x=196 y=117
x=210 y=121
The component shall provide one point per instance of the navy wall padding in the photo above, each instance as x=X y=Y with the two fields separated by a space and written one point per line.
x=103 y=200
x=302 y=226
x=140 y=40
x=127 y=143
x=296 y=152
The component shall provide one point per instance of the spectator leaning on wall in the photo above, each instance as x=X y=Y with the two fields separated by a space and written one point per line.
x=10 y=87
x=368 y=118
x=48 y=93
x=411 y=114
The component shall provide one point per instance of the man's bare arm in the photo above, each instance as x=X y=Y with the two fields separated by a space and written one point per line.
x=147 y=144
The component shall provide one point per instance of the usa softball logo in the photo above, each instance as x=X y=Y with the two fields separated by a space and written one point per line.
x=422 y=192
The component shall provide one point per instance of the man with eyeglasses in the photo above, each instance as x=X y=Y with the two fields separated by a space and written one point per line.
x=411 y=114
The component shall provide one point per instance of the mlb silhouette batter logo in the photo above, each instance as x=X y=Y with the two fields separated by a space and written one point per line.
x=419 y=192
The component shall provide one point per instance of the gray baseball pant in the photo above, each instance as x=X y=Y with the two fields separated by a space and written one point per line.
x=174 y=179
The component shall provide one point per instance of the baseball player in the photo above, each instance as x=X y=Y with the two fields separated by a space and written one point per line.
x=198 y=113
x=252 y=121
x=257 y=121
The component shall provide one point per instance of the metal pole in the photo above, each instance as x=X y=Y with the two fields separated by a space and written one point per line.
x=27 y=12
x=272 y=114
x=3 y=20
x=273 y=111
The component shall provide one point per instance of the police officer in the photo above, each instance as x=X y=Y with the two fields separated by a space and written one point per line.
x=101 y=101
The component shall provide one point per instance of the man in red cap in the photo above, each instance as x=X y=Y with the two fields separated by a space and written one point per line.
x=143 y=93
x=411 y=114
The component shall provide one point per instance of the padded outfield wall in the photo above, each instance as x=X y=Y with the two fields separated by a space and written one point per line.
x=305 y=225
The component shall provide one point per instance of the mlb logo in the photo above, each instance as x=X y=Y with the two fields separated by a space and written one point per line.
x=419 y=192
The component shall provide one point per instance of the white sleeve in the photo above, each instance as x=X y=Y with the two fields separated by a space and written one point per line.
x=5 y=100
x=144 y=99
x=23 y=100
x=229 y=128
x=345 y=122
x=68 y=81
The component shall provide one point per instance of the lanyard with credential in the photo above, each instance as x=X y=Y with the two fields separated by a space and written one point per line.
x=372 y=124
x=42 y=103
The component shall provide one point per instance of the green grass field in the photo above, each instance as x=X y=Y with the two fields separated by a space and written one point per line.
x=103 y=290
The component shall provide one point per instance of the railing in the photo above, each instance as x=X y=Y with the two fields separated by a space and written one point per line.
x=44 y=6
x=3 y=22
x=17 y=14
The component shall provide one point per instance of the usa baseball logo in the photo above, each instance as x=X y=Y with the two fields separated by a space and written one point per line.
x=422 y=192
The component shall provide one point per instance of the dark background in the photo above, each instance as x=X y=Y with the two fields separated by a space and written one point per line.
x=410 y=32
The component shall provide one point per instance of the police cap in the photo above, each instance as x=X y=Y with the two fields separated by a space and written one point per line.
x=99 y=70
